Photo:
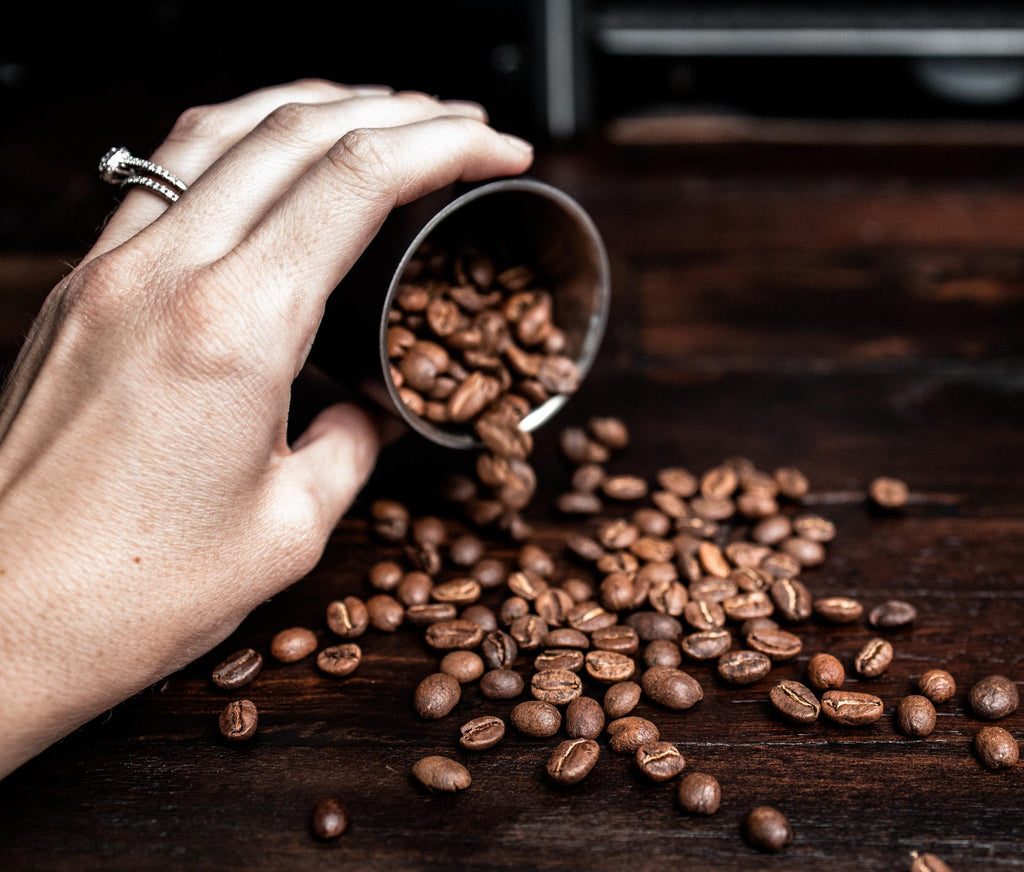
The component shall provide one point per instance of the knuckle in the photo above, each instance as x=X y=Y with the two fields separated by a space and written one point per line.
x=292 y=122
x=366 y=159
x=199 y=123
x=300 y=531
x=99 y=295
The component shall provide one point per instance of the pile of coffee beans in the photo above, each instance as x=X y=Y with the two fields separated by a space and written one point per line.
x=650 y=575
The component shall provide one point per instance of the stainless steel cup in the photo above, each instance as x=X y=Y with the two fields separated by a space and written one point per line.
x=531 y=220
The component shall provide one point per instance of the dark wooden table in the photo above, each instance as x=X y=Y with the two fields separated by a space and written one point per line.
x=851 y=312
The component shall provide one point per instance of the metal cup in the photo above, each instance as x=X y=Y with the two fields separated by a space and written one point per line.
x=537 y=223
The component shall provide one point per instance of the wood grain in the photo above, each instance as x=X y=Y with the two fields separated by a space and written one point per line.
x=848 y=318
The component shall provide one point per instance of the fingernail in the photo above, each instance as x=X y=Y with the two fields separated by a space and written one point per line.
x=518 y=143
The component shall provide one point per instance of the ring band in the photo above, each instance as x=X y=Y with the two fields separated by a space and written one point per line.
x=120 y=167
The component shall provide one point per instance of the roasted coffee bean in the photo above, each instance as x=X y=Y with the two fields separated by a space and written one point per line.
x=772 y=530
x=570 y=659
x=668 y=598
x=590 y=616
x=650 y=626
x=719 y=482
x=443 y=774
x=556 y=686
x=792 y=482
x=386 y=575
x=481 y=615
x=627 y=734
x=814 y=527
x=463 y=666
x=888 y=493
x=996 y=748
x=536 y=718
x=746 y=557
x=807 y=552
x=776 y=643
x=706 y=644
x=428 y=614
x=927 y=863
x=490 y=572
x=566 y=637
x=481 y=733
x=528 y=631
x=795 y=702
x=389 y=520
x=651 y=522
x=501 y=684
x=662 y=652
x=621 y=698
x=660 y=761
x=584 y=547
x=511 y=609
x=460 y=591
x=526 y=584
x=747 y=605
x=756 y=503
x=617 y=534
x=584 y=718
x=838 y=609
x=238 y=720
x=618 y=561
x=670 y=687
x=617 y=592
x=653 y=549
x=454 y=633
x=436 y=695
x=414 y=589
x=678 y=481
x=553 y=605
x=624 y=487
x=711 y=509
x=609 y=667
x=713 y=589
x=779 y=565
x=620 y=638
x=293 y=644
x=792 y=599
x=339 y=660
x=892 y=614
x=851 y=709
x=713 y=560
x=915 y=716
x=429 y=530
x=704 y=614
x=610 y=432
x=937 y=685
x=466 y=550
x=699 y=793
x=873 y=658
x=238 y=669
x=767 y=828
x=573 y=760
x=744 y=667
x=752 y=624
x=348 y=617
x=825 y=672
x=385 y=613
x=579 y=503
x=993 y=697
x=329 y=819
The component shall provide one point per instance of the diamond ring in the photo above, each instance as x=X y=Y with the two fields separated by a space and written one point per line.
x=120 y=167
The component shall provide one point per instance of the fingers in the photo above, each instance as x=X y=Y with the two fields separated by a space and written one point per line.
x=203 y=133
x=331 y=461
x=312 y=235
x=234 y=194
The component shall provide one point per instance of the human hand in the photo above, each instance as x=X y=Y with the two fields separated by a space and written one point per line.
x=149 y=498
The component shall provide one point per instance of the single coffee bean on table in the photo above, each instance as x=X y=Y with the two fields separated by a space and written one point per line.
x=938 y=685
x=888 y=492
x=573 y=760
x=660 y=761
x=795 y=702
x=293 y=644
x=238 y=720
x=463 y=666
x=339 y=660
x=536 y=718
x=892 y=614
x=996 y=748
x=671 y=687
x=768 y=829
x=481 y=733
x=851 y=708
x=743 y=666
x=825 y=672
x=699 y=793
x=442 y=774
x=629 y=733
x=915 y=716
x=501 y=684
x=993 y=697
x=329 y=819
x=436 y=695
x=238 y=669
x=584 y=718
x=621 y=698
x=873 y=658
x=556 y=686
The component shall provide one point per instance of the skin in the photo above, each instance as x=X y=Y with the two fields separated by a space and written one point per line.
x=149 y=497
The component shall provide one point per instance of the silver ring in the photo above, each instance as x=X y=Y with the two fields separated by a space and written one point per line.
x=120 y=167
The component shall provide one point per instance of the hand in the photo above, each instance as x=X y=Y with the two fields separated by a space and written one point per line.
x=149 y=498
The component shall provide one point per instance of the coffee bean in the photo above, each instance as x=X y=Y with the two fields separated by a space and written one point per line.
x=511 y=609
x=386 y=575
x=651 y=522
x=776 y=643
x=767 y=828
x=556 y=686
x=838 y=609
x=389 y=520
x=609 y=667
x=713 y=589
x=627 y=734
x=660 y=761
x=536 y=718
x=238 y=669
x=915 y=716
x=814 y=527
x=584 y=718
x=329 y=819
x=892 y=614
x=704 y=614
x=570 y=659
x=438 y=773
x=924 y=862
x=452 y=634
x=670 y=687
x=792 y=482
x=747 y=605
x=993 y=697
x=528 y=631
x=744 y=667
x=566 y=637
x=713 y=560
x=436 y=695
x=348 y=617
x=610 y=432
x=752 y=624
x=937 y=685
x=463 y=666
x=481 y=733
x=579 y=503
x=573 y=760
x=620 y=638
x=428 y=614
x=706 y=644
x=807 y=552
x=699 y=793
x=385 y=613
x=888 y=493
x=238 y=720
x=796 y=702
x=825 y=672
x=481 y=615
x=996 y=748
x=873 y=658
x=553 y=606
x=772 y=530
x=339 y=660
x=621 y=698
x=624 y=487
x=293 y=644
x=792 y=599
x=414 y=589
x=662 y=652
x=501 y=684
x=590 y=616
x=851 y=709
